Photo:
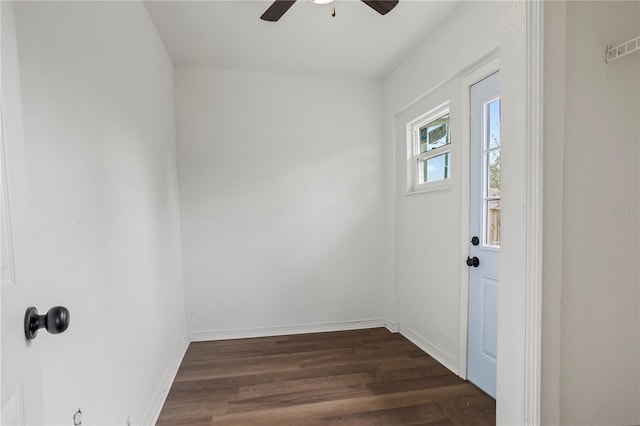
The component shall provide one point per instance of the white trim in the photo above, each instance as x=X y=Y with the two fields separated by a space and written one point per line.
x=433 y=114
x=533 y=210
x=439 y=185
x=160 y=396
x=393 y=327
x=478 y=74
x=8 y=265
x=244 y=333
x=429 y=348
x=519 y=310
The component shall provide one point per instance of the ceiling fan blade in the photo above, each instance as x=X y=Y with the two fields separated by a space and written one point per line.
x=276 y=10
x=381 y=6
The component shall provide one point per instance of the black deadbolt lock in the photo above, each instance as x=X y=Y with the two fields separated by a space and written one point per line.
x=473 y=261
x=475 y=241
x=55 y=321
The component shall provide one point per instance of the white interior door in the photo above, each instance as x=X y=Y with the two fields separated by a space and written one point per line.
x=21 y=371
x=484 y=227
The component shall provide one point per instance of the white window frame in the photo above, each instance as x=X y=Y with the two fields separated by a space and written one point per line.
x=414 y=157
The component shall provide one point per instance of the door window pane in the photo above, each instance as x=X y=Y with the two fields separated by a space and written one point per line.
x=492 y=174
x=493 y=223
x=493 y=121
x=493 y=178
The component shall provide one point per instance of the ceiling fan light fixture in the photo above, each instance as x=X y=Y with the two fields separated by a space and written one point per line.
x=280 y=7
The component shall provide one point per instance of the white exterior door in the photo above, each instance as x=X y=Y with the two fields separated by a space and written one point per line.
x=485 y=233
x=21 y=372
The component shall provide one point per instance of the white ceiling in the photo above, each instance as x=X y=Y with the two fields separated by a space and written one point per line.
x=357 y=42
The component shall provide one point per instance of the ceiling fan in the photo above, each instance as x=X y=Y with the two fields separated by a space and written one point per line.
x=279 y=7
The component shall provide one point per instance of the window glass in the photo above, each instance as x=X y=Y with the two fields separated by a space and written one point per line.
x=492 y=175
x=494 y=124
x=434 y=134
x=434 y=168
x=493 y=178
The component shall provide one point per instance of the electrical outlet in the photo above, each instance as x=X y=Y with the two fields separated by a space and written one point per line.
x=77 y=418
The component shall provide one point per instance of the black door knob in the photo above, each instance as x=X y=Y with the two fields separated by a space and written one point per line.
x=56 y=321
x=473 y=261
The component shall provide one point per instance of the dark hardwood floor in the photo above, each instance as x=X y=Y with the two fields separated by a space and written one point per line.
x=362 y=377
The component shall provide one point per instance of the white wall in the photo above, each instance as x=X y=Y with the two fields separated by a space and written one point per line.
x=97 y=90
x=427 y=231
x=597 y=351
x=281 y=189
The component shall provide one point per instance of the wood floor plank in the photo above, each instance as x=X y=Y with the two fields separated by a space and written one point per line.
x=319 y=412
x=411 y=415
x=359 y=377
x=414 y=384
x=303 y=385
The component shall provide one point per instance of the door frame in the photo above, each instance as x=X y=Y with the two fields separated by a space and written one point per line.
x=473 y=77
x=519 y=338
x=519 y=372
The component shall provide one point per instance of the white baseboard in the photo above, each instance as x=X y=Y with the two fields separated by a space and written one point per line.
x=162 y=392
x=204 y=335
x=431 y=349
x=393 y=327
